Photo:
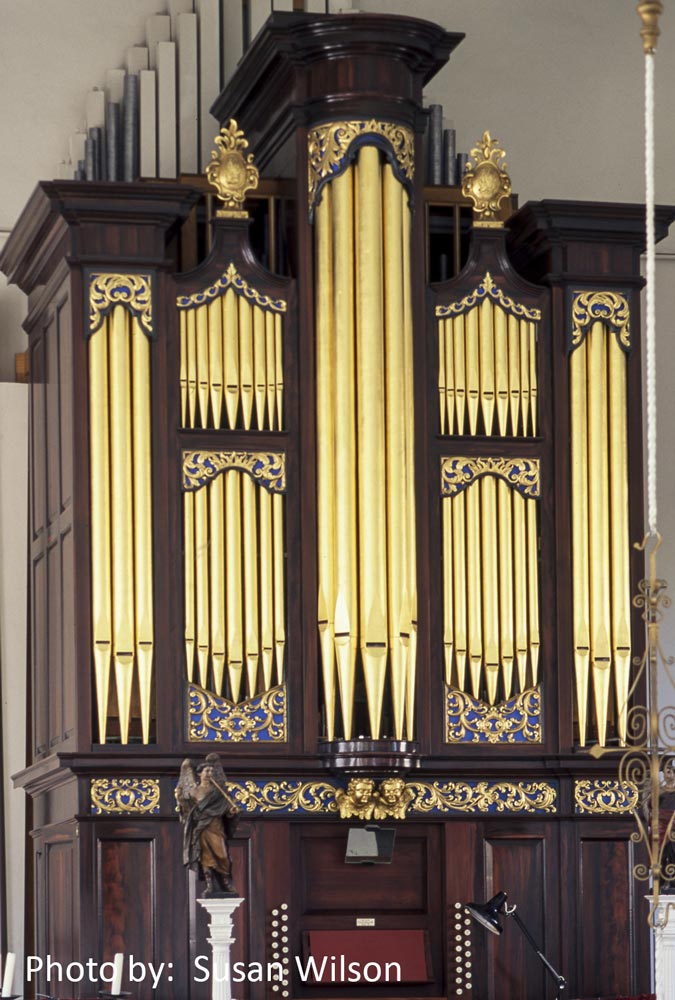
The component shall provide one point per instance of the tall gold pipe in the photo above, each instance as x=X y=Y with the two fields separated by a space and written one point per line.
x=233 y=583
x=183 y=366
x=266 y=588
x=250 y=553
x=487 y=364
x=620 y=532
x=279 y=585
x=471 y=352
x=524 y=375
x=371 y=437
x=442 y=384
x=142 y=480
x=270 y=368
x=346 y=556
x=245 y=361
x=279 y=369
x=231 y=356
x=506 y=637
x=533 y=587
x=216 y=360
x=217 y=579
x=202 y=582
x=520 y=580
x=122 y=514
x=101 y=566
x=459 y=574
x=501 y=369
x=488 y=489
x=326 y=432
x=409 y=472
x=191 y=337
x=189 y=569
x=514 y=372
x=474 y=579
x=259 y=364
x=580 y=542
x=448 y=610
x=450 y=373
x=459 y=344
x=534 y=390
x=203 y=368
x=598 y=516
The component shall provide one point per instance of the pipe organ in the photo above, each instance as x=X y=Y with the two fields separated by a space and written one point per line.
x=368 y=538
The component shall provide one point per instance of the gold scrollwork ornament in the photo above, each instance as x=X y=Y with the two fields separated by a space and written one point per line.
x=114 y=796
x=486 y=182
x=605 y=796
x=231 y=172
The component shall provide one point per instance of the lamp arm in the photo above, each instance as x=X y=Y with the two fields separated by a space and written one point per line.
x=511 y=912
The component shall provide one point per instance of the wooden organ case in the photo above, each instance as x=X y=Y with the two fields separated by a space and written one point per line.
x=368 y=539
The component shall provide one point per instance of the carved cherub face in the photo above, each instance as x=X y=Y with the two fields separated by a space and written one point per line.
x=361 y=789
x=391 y=789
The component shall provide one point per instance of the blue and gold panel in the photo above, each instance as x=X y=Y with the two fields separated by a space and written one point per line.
x=123 y=796
x=107 y=290
x=231 y=279
x=609 y=308
x=521 y=474
x=268 y=469
x=517 y=720
x=605 y=796
x=487 y=288
x=212 y=719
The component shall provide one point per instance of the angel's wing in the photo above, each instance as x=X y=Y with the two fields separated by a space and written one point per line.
x=218 y=774
x=187 y=782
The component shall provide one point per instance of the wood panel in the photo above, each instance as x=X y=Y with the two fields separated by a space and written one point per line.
x=126 y=891
x=61 y=908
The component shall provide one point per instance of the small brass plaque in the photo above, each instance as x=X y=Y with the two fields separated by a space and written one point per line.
x=365 y=921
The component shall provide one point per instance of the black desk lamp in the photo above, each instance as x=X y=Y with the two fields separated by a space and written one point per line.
x=487 y=914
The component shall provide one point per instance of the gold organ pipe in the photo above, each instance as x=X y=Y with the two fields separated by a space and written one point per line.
x=279 y=369
x=101 y=566
x=533 y=586
x=409 y=471
x=231 y=355
x=524 y=374
x=191 y=337
x=459 y=569
x=122 y=514
x=202 y=582
x=325 y=428
x=245 y=361
x=371 y=438
x=620 y=531
x=487 y=364
x=395 y=438
x=580 y=525
x=346 y=556
x=189 y=550
x=488 y=490
x=250 y=553
x=459 y=345
x=474 y=579
x=471 y=351
x=534 y=390
x=233 y=583
x=259 y=364
x=501 y=369
x=266 y=588
x=448 y=611
x=450 y=373
x=520 y=579
x=279 y=585
x=505 y=522
x=598 y=517
x=442 y=382
x=514 y=372
x=183 y=366
x=216 y=360
x=270 y=368
x=142 y=480
x=217 y=579
x=203 y=368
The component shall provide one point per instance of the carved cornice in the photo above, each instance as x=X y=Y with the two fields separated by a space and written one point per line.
x=268 y=469
x=521 y=474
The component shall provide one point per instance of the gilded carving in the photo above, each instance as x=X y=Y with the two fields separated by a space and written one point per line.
x=392 y=799
x=517 y=720
x=261 y=719
x=609 y=308
x=284 y=796
x=486 y=182
x=328 y=147
x=483 y=796
x=358 y=802
x=113 y=796
x=266 y=468
x=231 y=279
x=131 y=290
x=600 y=795
x=487 y=287
x=522 y=474
x=231 y=172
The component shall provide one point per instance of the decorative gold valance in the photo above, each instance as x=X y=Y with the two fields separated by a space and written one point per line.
x=134 y=291
x=609 y=308
x=266 y=468
x=521 y=474
x=488 y=287
x=231 y=279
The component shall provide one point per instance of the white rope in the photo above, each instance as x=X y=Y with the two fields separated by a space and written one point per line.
x=650 y=311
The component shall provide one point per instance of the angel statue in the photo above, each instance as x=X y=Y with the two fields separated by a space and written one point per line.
x=208 y=816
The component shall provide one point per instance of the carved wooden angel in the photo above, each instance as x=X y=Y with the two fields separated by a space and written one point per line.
x=208 y=815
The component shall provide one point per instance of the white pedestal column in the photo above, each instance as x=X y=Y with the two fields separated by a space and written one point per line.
x=220 y=910
x=664 y=948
